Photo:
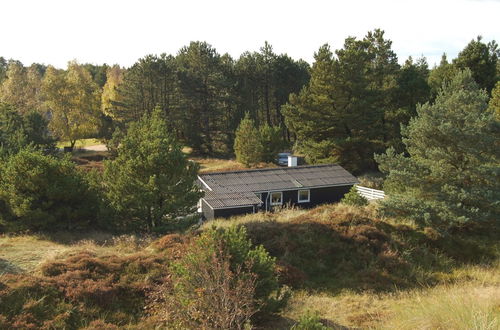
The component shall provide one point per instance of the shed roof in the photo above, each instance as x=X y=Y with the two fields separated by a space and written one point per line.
x=221 y=187
x=261 y=180
x=221 y=200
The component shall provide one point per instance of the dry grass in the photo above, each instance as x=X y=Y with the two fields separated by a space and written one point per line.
x=22 y=254
x=25 y=253
x=215 y=164
x=471 y=303
x=283 y=215
x=220 y=165
x=463 y=306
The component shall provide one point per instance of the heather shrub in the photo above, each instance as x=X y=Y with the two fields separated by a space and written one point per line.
x=222 y=282
x=79 y=290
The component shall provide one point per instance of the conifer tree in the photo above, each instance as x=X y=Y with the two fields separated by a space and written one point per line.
x=334 y=117
x=481 y=59
x=150 y=181
x=495 y=101
x=247 y=144
x=271 y=141
x=452 y=174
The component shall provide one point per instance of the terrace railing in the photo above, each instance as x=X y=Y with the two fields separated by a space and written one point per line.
x=369 y=193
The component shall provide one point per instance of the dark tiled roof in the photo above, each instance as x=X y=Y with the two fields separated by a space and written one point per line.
x=220 y=200
x=284 y=178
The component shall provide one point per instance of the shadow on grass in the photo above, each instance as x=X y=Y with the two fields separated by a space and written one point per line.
x=6 y=267
x=364 y=255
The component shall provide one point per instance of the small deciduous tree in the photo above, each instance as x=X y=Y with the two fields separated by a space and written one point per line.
x=73 y=100
x=247 y=143
x=150 y=181
x=452 y=174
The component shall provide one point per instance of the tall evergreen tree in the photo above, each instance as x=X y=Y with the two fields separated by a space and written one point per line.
x=412 y=89
x=334 y=117
x=151 y=82
x=151 y=181
x=272 y=142
x=452 y=174
x=441 y=74
x=247 y=144
x=482 y=60
x=202 y=87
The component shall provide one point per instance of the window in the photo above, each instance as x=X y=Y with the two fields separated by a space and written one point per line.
x=259 y=196
x=304 y=196
x=277 y=198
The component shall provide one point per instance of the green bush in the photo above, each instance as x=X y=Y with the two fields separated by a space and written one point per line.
x=17 y=131
x=42 y=192
x=354 y=198
x=222 y=281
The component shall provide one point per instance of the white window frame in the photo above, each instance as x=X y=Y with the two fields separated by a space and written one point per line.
x=271 y=198
x=304 y=200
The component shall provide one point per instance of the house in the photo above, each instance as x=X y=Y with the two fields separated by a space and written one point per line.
x=249 y=191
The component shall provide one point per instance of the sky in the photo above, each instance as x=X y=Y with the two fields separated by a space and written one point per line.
x=120 y=32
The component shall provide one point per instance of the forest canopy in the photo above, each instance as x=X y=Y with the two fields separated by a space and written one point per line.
x=347 y=106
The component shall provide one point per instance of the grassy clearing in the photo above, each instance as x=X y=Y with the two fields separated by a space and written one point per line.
x=465 y=306
x=21 y=254
x=79 y=143
x=26 y=253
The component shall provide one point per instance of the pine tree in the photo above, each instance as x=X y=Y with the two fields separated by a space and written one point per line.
x=151 y=181
x=44 y=193
x=452 y=174
x=482 y=60
x=18 y=132
x=494 y=104
x=247 y=144
x=271 y=141
x=334 y=117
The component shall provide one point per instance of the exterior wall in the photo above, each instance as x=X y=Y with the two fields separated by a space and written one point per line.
x=317 y=196
x=208 y=213
x=226 y=213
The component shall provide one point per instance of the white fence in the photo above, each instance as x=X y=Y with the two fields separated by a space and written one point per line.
x=369 y=193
